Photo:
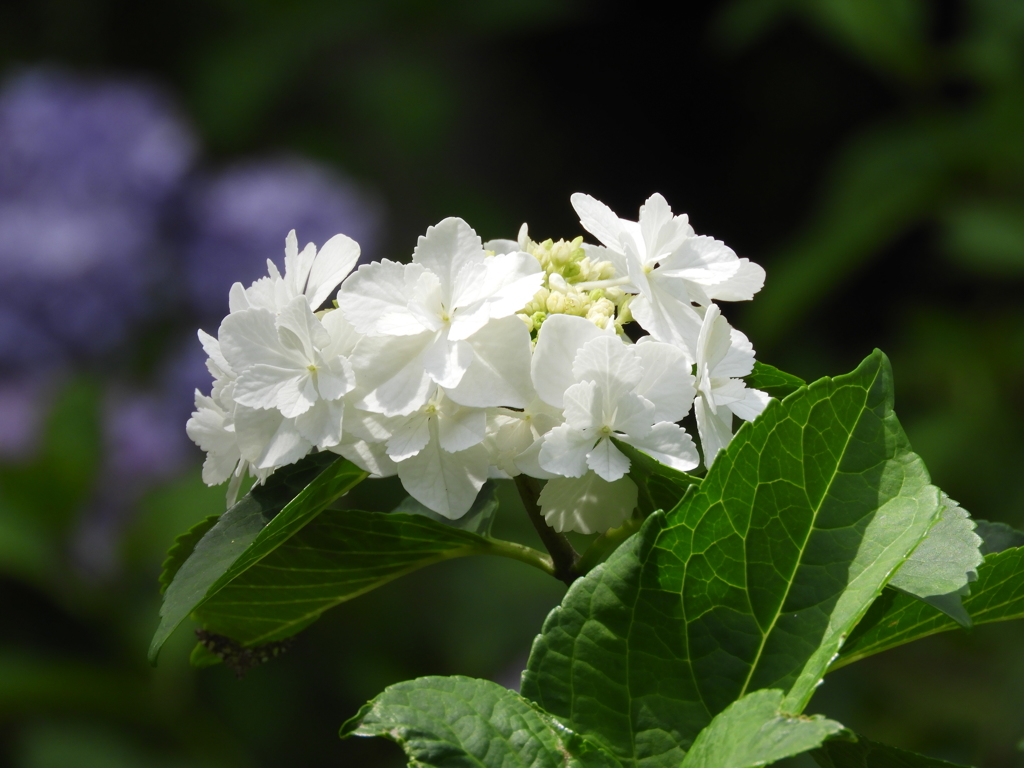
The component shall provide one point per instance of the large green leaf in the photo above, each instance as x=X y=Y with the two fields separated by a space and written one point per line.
x=182 y=549
x=863 y=753
x=751 y=582
x=753 y=731
x=263 y=520
x=944 y=564
x=336 y=557
x=895 y=619
x=451 y=722
x=997 y=537
x=770 y=379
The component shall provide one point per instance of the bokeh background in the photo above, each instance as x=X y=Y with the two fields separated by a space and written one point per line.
x=869 y=153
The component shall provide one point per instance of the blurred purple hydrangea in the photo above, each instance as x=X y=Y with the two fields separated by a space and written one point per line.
x=22 y=410
x=86 y=168
x=239 y=218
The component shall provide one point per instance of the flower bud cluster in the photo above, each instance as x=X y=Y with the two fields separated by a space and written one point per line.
x=567 y=271
x=482 y=360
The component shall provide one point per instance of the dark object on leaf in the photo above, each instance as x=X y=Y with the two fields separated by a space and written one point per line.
x=237 y=657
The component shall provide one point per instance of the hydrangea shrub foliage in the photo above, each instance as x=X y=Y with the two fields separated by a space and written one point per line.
x=721 y=583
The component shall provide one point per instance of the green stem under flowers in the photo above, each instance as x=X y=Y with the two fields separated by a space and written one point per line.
x=563 y=556
x=522 y=553
x=605 y=544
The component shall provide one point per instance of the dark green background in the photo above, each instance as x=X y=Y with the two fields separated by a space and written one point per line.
x=868 y=153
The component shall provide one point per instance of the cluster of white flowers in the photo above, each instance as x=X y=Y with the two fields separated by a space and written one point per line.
x=480 y=360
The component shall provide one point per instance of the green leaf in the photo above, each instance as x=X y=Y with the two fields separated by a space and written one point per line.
x=182 y=549
x=752 y=582
x=997 y=537
x=340 y=555
x=459 y=721
x=753 y=731
x=660 y=486
x=895 y=619
x=478 y=519
x=263 y=520
x=870 y=754
x=771 y=380
x=940 y=570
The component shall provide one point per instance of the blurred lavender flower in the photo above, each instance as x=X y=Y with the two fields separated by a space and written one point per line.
x=239 y=219
x=86 y=167
x=144 y=443
x=22 y=409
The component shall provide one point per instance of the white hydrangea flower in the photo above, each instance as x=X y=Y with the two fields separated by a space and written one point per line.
x=290 y=362
x=671 y=269
x=436 y=309
x=511 y=434
x=310 y=273
x=439 y=452
x=605 y=388
x=212 y=427
x=724 y=356
x=280 y=372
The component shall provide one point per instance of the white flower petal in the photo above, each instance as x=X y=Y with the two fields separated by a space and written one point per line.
x=299 y=328
x=461 y=428
x=607 y=461
x=558 y=341
x=390 y=372
x=668 y=443
x=343 y=336
x=703 y=260
x=748 y=280
x=661 y=231
x=493 y=288
x=528 y=462
x=598 y=219
x=448 y=483
x=410 y=436
x=587 y=504
x=445 y=250
x=297 y=265
x=208 y=430
x=364 y=425
x=334 y=378
x=713 y=340
x=499 y=374
x=726 y=392
x=667 y=381
x=251 y=337
x=738 y=361
x=369 y=457
x=267 y=386
x=565 y=450
x=268 y=440
x=583 y=406
x=446 y=361
x=751 y=406
x=333 y=263
x=212 y=348
x=321 y=425
x=667 y=318
x=715 y=429
x=375 y=298
x=629 y=413
x=610 y=363
x=499 y=246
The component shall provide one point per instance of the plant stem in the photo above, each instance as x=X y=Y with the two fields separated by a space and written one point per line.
x=563 y=556
x=522 y=553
